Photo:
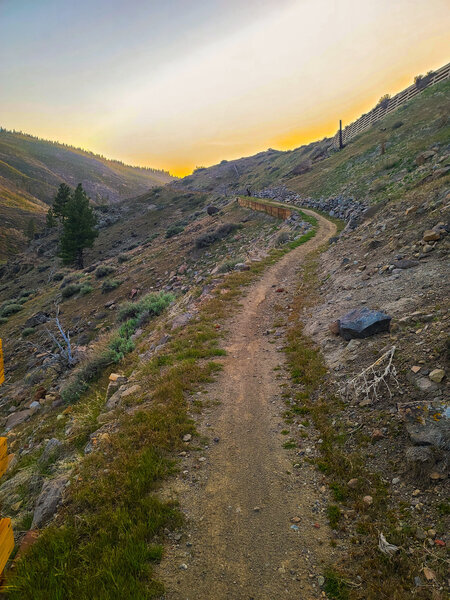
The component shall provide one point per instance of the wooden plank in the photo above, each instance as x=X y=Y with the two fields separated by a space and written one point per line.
x=3 y=447
x=6 y=542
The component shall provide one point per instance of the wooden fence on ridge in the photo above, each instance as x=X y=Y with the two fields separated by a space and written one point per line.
x=377 y=113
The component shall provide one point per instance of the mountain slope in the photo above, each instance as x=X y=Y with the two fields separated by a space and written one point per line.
x=31 y=169
x=39 y=166
x=378 y=161
x=368 y=463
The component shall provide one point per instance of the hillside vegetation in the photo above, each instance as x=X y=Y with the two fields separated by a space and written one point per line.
x=149 y=318
x=31 y=170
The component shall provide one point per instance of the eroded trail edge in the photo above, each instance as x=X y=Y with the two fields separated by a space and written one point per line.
x=254 y=529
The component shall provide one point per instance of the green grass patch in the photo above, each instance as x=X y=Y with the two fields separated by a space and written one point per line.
x=335 y=587
x=110 y=532
x=334 y=515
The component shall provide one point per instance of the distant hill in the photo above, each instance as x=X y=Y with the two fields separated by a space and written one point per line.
x=257 y=171
x=31 y=169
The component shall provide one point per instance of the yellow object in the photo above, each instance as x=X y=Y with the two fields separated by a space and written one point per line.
x=4 y=460
x=2 y=370
x=6 y=532
x=6 y=542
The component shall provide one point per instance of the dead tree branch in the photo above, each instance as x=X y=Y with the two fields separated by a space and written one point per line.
x=368 y=382
x=65 y=346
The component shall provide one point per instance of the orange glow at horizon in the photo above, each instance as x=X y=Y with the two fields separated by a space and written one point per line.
x=297 y=137
x=192 y=96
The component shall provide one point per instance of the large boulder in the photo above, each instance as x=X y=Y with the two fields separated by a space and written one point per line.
x=362 y=323
x=48 y=501
x=182 y=320
x=432 y=431
x=16 y=418
x=37 y=319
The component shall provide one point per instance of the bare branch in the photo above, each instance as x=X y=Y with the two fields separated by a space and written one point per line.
x=66 y=350
x=368 y=382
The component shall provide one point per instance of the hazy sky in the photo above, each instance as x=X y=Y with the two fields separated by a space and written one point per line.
x=179 y=83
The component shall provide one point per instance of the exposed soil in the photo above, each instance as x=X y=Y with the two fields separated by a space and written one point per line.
x=241 y=541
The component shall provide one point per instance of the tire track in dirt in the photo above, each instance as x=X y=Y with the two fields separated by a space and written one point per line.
x=235 y=552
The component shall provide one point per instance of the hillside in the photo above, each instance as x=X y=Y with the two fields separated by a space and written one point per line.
x=31 y=170
x=215 y=429
x=258 y=171
x=362 y=169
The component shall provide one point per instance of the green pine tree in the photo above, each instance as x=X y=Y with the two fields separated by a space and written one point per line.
x=61 y=200
x=50 y=219
x=78 y=228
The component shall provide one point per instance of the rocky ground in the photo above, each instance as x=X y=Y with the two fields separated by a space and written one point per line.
x=43 y=431
x=393 y=258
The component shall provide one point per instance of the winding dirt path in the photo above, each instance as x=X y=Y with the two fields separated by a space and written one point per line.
x=240 y=501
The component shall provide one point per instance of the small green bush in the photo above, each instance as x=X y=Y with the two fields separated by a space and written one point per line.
x=3 y=320
x=149 y=306
x=27 y=331
x=70 y=290
x=282 y=238
x=334 y=515
x=207 y=239
x=122 y=258
x=86 y=289
x=109 y=285
x=174 y=230
x=58 y=276
x=121 y=345
x=103 y=271
x=335 y=587
x=228 y=265
x=10 y=309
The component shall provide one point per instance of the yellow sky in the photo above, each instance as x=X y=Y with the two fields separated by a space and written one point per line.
x=277 y=78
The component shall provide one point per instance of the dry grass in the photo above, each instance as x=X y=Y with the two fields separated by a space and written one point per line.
x=380 y=577
x=111 y=530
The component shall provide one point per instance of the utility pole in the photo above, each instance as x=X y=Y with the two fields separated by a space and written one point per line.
x=341 y=145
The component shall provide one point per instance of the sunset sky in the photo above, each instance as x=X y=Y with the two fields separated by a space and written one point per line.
x=178 y=83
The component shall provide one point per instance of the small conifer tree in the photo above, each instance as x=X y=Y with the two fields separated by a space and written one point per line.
x=78 y=228
x=60 y=202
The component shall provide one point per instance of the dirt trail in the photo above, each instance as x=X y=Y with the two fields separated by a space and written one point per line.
x=232 y=551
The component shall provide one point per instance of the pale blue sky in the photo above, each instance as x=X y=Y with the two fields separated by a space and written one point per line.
x=178 y=83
